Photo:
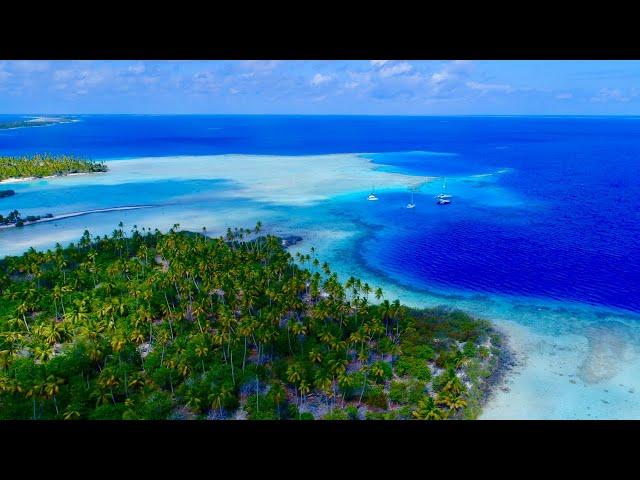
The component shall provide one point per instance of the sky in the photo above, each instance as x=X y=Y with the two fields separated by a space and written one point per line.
x=368 y=87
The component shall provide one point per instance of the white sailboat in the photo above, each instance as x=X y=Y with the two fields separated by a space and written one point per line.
x=411 y=204
x=443 y=198
x=372 y=196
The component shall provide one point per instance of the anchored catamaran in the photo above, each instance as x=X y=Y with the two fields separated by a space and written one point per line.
x=443 y=198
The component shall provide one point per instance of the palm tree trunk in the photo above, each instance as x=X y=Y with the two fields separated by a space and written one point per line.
x=364 y=386
x=244 y=355
x=233 y=375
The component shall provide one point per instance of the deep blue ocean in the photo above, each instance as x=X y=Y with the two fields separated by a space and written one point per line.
x=557 y=217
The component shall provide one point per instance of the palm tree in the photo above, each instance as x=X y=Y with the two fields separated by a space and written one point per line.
x=52 y=388
x=428 y=410
x=194 y=303
x=70 y=413
x=451 y=400
x=218 y=397
x=201 y=352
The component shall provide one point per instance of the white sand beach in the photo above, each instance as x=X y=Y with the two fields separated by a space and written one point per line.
x=32 y=179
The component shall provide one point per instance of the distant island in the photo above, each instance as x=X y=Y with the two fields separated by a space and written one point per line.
x=38 y=166
x=34 y=122
x=183 y=326
x=14 y=219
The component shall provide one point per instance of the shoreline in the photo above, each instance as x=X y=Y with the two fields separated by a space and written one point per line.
x=39 y=122
x=506 y=361
x=78 y=214
x=547 y=345
x=30 y=179
x=506 y=357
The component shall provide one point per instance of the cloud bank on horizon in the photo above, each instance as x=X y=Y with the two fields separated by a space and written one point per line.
x=385 y=87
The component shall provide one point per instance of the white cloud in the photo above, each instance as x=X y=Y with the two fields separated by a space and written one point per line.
x=449 y=77
x=351 y=85
x=257 y=67
x=378 y=63
x=3 y=74
x=397 y=69
x=89 y=78
x=439 y=77
x=136 y=69
x=613 y=95
x=62 y=75
x=204 y=82
x=490 y=87
x=31 y=66
x=564 y=96
x=149 y=80
x=319 y=79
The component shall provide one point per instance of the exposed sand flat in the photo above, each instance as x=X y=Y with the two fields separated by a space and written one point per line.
x=47 y=119
x=283 y=180
x=609 y=349
x=31 y=179
x=592 y=375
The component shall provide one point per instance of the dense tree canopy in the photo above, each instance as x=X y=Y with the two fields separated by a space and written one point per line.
x=179 y=325
x=46 y=165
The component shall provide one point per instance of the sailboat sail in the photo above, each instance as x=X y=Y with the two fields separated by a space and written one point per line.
x=411 y=204
x=443 y=195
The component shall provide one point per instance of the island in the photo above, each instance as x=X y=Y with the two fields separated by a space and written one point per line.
x=34 y=122
x=45 y=165
x=178 y=325
x=15 y=219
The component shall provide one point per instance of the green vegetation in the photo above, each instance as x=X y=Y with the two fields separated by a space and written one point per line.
x=32 y=123
x=46 y=165
x=177 y=325
x=14 y=218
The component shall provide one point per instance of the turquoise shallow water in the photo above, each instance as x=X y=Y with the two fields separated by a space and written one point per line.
x=572 y=360
x=541 y=236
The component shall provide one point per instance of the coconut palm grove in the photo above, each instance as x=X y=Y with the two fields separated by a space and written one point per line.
x=178 y=325
x=43 y=165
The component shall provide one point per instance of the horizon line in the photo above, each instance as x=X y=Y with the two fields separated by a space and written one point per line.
x=329 y=114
